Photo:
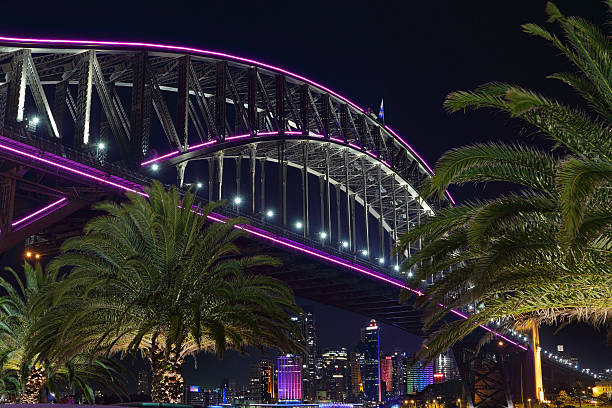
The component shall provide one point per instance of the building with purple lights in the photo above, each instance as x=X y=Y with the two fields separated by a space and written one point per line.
x=289 y=378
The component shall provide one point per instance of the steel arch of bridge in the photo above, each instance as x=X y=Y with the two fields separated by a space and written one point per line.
x=226 y=107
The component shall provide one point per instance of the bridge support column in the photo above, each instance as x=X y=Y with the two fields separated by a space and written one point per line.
x=305 y=191
x=537 y=362
x=83 y=105
x=327 y=194
x=7 y=205
x=211 y=178
x=180 y=173
x=142 y=102
x=282 y=173
x=394 y=216
x=59 y=105
x=219 y=158
x=15 y=100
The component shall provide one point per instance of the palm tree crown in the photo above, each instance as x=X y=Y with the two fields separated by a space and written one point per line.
x=541 y=254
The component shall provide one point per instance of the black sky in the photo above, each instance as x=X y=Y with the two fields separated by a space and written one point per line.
x=411 y=53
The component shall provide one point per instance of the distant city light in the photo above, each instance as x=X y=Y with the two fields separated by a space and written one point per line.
x=269 y=213
x=155 y=167
x=237 y=200
x=298 y=225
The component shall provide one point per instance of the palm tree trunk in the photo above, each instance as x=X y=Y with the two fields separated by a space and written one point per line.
x=33 y=386
x=167 y=379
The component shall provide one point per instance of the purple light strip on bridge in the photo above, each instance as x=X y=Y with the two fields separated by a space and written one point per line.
x=256 y=232
x=210 y=53
x=38 y=212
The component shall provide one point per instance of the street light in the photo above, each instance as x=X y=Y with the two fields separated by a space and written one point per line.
x=381 y=261
x=269 y=213
x=529 y=400
x=323 y=234
x=459 y=402
x=396 y=268
x=298 y=225
x=237 y=200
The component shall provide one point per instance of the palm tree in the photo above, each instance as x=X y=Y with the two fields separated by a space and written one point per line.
x=153 y=276
x=22 y=375
x=541 y=255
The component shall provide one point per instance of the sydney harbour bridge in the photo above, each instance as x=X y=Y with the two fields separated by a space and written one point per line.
x=325 y=185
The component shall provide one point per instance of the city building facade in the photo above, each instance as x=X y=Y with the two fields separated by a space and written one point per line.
x=336 y=375
x=289 y=378
x=370 y=369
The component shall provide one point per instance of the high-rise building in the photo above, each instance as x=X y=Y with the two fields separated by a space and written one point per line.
x=289 y=378
x=419 y=376
x=310 y=373
x=335 y=374
x=355 y=366
x=198 y=396
x=228 y=390
x=262 y=382
x=386 y=371
x=370 y=369
x=143 y=386
x=400 y=372
x=445 y=367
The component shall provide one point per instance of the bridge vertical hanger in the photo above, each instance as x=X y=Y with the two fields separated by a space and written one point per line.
x=220 y=100
x=262 y=187
x=83 y=102
x=240 y=115
x=322 y=201
x=407 y=199
x=252 y=99
x=140 y=117
x=219 y=157
x=161 y=109
x=344 y=121
x=252 y=165
x=15 y=98
x=305 y=188
x=40 y=99
x=282 y=173
x=327 y=193
x=202 y=103
x=393 y=197
x=304 y=108
x=280 y=103
x=338 y=216
x=349 y=216
x=60 y=103
x=353 y=231
x=182 y=113
x=381 y=230
x=211 y=177
x=366 y=209
x=238 y=174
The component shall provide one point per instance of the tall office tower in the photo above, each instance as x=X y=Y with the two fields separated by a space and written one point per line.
x=268 y=381
x=289 y=378
x=400 y=367
x=386 y=371
x=255 y=386
x=310 y=367
x=335 y=374
x=370 y=370
x=419 y=376
x=355 y=366
x=143 y=386
x=445 y=367
x=227 y=390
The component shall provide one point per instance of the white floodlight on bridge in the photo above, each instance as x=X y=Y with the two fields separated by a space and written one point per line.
x=410 y=274
x=35 y=120
x=323 y=235
x=155 y=167
x=345 y=244
x=298 y=225
x=269 y=213
x=199 y=184
x=101 y=145
x=396 y=268
x=237 y=200
x=381 y=261
x=364 y=252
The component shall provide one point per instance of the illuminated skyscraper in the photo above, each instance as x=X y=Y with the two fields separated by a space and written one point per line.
x=445 y=367
x=386 y=370
x=419 y=376
x=355 y=366
x=310 y=364
x=289 y=378
x=400 y=373
x=370 y=369
x=262 y=384
x=335 y=374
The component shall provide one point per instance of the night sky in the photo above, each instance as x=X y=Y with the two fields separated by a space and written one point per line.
x=410 y=53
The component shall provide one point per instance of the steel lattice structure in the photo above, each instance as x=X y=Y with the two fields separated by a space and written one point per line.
x=218 y=107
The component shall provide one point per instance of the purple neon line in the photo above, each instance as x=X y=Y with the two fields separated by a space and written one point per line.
x=212 y=142
x=165 y=156
x=354 y=146
x=71 y=170
x=215 y=54
x=263 y=234
x=35 y=213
